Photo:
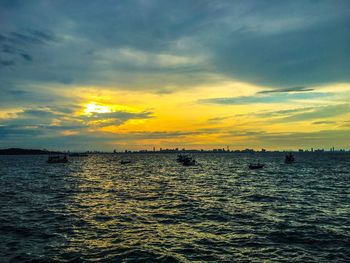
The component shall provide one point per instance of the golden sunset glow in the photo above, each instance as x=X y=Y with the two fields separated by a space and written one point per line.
x=174 y=131
x=180 y=119
x=92 y=108
x=238 y=80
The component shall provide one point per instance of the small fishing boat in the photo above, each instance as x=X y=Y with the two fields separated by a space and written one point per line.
x=125 y=162
x=57 y=159
x=185 y=160
x=256 y=166
x=189 y=161
x=289 y=158
x=181 y=157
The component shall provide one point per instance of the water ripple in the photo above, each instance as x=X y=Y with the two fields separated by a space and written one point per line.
x=154 y=210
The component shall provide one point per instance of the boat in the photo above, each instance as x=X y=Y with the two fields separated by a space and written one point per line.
x=256 y=166
x=125 y=162
x=57 y=159
x=181 y=158
x=189 y=161
x=185 y=160
x=289 y=158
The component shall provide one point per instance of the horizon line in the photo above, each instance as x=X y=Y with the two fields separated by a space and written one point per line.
x=178 y=150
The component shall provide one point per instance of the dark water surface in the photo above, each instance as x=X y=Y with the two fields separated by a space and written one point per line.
x=155 y=210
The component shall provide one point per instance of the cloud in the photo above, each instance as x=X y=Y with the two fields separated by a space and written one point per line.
x=14 y=45
x=304 y=114
x=345 y=124
x=27 y=57
x=140 y=59
x=283 y=113
x=31 y=137
x=48 y=48
x=178 y=43
x=270 y=98
x=26 y=96
x=293 y=89
x=14 y=92
x=156 y=135
x=287 y=56
x=14 y=131
x=47 y=120
x=28 y=37
x=114 y=118
x=324 y=122
x=318 y=113
x=7 y=63
x=218 y=119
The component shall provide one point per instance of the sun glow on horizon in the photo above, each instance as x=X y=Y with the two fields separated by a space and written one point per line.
x=92 y=108
x=197 y=118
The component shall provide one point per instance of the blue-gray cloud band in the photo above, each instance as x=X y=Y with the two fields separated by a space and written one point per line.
x=275 y=43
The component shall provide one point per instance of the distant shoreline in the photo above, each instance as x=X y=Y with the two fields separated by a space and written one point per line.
x=20 y=151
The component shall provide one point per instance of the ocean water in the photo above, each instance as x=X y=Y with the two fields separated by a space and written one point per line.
x=93 y=209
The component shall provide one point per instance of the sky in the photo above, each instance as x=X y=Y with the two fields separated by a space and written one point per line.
x=200 y=74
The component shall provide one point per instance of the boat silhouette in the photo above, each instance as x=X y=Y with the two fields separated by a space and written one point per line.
x=256 y=166
x=289 y=158
x=189 y=162
x=185 y=160
x=125 y=162
x=57 y=159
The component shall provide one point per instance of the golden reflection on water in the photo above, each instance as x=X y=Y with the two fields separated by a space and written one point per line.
x=132 y=206
x=211 y=211
x=95 y=209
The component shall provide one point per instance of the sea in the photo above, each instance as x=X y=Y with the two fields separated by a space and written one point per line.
x=94 y=209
